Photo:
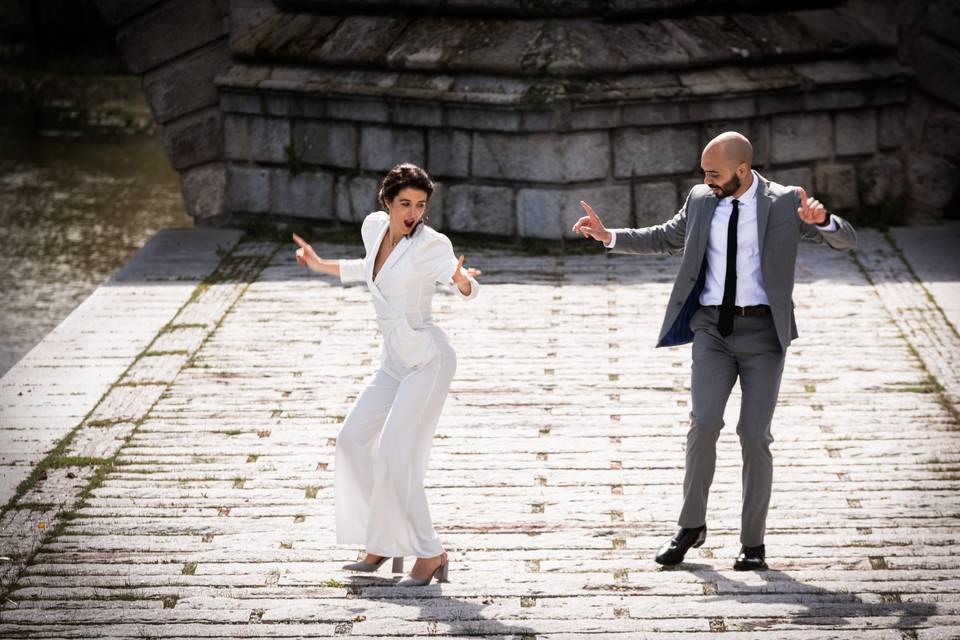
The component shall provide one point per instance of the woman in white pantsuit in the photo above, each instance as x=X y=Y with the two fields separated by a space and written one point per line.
x=384 y=444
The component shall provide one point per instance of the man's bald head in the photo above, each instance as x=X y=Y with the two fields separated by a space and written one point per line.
x=726 y=162
x=732 y=147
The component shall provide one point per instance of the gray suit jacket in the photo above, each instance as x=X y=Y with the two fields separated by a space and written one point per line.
x=780 y=230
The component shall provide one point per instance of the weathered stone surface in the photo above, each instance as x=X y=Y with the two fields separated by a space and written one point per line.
x=880 y=179
x=550 y=213
x=932 y=59
x=358 y=39
x=541 y=157
x=448 y=153
x=325 y=143
x=480 y=209
x=308 y=194
x=797 y=177
x=257 y=31
x=383 y=147
x=248 y=189
x=855 y=132
x=186 y=84
x=204 y=190
x=434 y=215
x=941 y=132
x=171 y=29
x=800 y=137
x=116 y=11
x=356 y=197
x=194 y=139
x=836 y=186
x=257 y=139
x=651 y=152
x=247 y=15
x=364 y=90
x=655 y=202
x=932 y=181
x=686 y=186
x=890 y=126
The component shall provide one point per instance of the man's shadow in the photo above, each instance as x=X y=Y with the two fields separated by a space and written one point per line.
x=459 y=617
x=779 y=587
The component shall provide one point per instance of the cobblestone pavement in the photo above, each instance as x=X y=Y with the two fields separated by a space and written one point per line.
x=168 y=458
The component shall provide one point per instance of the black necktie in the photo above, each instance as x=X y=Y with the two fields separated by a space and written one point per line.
x=725 y=324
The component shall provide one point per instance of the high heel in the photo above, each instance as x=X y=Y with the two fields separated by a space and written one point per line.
x=441 y=573
x=366 y=567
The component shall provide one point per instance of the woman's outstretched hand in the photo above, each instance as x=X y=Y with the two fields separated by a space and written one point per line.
x=590 y=226
x=461 y=279
x=306 y=257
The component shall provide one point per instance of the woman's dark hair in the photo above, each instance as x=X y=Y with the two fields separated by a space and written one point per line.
x=403 y=176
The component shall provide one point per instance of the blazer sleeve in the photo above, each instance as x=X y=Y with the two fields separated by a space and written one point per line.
x=667 y=238
x=352 y=270
x=842 y=237
x=435 y=260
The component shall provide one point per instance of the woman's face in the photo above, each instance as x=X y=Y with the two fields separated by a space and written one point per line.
x=406 y=209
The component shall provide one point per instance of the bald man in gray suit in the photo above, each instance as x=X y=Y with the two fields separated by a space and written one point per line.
x=738 y=233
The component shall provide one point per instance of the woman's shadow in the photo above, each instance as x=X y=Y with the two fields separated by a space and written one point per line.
x=457 y=617
x=821 y=607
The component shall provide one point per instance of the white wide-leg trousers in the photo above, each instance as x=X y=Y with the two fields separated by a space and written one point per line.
x=382 y=454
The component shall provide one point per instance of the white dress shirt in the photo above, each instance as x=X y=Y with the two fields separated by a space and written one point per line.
x=749 y=279
x=750 y=289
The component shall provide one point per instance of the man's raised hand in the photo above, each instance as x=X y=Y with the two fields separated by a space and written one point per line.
x=811 y=210
x=590 y=226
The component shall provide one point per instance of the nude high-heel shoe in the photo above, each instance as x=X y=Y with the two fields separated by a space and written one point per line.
x=366 y=567
x=440 y=574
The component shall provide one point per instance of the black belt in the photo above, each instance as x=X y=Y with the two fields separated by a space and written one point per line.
x=755 y=310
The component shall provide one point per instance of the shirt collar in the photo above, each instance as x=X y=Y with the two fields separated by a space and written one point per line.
x=749 y=195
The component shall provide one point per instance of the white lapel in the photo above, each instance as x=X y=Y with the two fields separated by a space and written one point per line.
x=371 y=258
x=394 y=256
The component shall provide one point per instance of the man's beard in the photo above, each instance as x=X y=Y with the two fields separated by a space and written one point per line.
x=728 y=188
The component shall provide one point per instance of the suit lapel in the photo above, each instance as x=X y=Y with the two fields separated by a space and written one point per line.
x=703 y=223
x=763 y=211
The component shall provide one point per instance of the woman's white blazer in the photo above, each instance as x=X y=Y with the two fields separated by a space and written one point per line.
x=404 y=286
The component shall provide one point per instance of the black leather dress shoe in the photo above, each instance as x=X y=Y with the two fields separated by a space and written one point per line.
x=751 y=559
x=675 y=548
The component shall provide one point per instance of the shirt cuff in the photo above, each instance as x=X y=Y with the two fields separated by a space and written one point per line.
x=831 y=225
x=474 y=287
x=613 y=239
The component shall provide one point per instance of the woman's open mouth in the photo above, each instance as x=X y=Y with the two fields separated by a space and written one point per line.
x=408 y=224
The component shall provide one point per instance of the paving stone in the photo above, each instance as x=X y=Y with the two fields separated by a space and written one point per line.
x=556 y=470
